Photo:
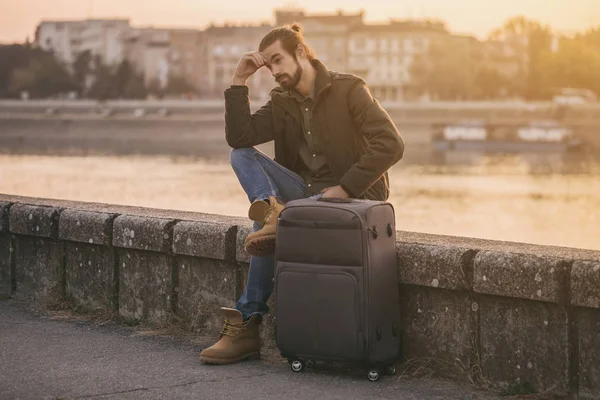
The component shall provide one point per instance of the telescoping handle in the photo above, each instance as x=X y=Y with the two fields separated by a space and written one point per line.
x=335 y=200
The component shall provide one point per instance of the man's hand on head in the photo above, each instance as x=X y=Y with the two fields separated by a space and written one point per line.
x=334 y=191
x=249 y=63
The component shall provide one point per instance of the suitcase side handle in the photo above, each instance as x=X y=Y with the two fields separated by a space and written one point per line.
x=335 y=200
x=350 y=224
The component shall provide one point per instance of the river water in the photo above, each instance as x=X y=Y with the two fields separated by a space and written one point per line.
x=542 y=199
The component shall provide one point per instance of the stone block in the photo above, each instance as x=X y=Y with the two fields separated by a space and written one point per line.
x=435 y=266
x=521 y=276
x=31 y=220
x=436 y=324
x=38 y=270
x=5 y=265
x=145 y=285
x=4 y=207
x=90 y=279
x=585 y=284
x=143 y=233
x=205 y=239
x=588 y=328
x=86 y=227
x=205 y=286
x=242 y=233
x=524 y=344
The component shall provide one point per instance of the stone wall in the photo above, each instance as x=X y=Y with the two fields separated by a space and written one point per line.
x=515 y=315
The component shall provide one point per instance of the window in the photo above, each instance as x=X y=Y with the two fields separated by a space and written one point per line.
x=383 y=44
x=360 y=43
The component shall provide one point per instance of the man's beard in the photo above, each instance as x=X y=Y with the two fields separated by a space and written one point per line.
x=291 y=82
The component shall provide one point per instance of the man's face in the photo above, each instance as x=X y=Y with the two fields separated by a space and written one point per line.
x=284 y=66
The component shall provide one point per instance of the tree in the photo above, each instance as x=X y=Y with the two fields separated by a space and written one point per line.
x=178 y=85
x=135 y=88
x=122 y=77
x=82 y=68
x=576 y=64
x=154 y=88
x=445 y=72
x=529 y=41
x=43 y=77
x=489 y=83
x=104 y=86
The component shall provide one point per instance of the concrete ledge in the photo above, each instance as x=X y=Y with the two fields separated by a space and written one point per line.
x=437 y=323
x=33 y=220
x=205 y=285
x=146 y=285
x=125 y=210
x=435 y=266
x=133 y=232
x=565 y=253
x=524 y=344
x=205 y=239
x=90 y=275
x=5 y=251
x=585 y=284
x=520 y=276
x=5 y=267
x=4 y=207
x=86 y=227
x=242 y=233
x=39 y=273
x=587 y=321
x=514 y=314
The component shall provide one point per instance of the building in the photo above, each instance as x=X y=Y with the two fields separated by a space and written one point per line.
x=162 y=55
x=384 y=54
x=67 y=39
x=326 y=34
x=224 y=46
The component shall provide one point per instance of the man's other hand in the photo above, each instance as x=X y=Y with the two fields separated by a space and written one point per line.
x=334 y=191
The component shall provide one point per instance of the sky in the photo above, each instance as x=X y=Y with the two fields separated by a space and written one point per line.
x=18 y=18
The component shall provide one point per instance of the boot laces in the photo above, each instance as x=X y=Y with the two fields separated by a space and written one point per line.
x=231 y=330
x=270 y=212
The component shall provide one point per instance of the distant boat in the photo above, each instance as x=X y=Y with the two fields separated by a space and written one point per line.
x=480 y=136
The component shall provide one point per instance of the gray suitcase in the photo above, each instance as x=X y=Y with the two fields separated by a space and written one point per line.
x=336 y=280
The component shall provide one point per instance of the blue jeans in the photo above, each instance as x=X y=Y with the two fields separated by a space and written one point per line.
x=260 y=178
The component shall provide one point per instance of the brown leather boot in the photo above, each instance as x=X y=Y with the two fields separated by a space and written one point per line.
x=238 y=341
x=262 y=242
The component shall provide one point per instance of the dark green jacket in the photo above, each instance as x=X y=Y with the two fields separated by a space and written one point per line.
x=361 y=141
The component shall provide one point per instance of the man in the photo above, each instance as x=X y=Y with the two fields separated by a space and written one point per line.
x=332 y=139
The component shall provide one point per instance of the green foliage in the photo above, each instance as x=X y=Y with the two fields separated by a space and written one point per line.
x=458 y=68
x=23 y=68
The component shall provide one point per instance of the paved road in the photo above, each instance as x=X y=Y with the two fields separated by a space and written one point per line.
x=45 y=358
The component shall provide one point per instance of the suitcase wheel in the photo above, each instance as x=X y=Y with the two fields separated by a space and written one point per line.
x=391 y=369
x=309 y=363
x=297 y=365
x=373 y=375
